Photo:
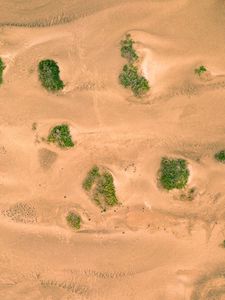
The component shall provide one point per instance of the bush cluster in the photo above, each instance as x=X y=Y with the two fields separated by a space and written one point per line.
x=49 y=75
x=174 y=173
x=101 y=187
x=60 y=135
x=129 y=76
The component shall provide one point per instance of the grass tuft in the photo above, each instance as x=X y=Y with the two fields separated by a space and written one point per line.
x=73 y=220
x=174 y=173
x=49 y=75
x=127 y=50
x=2 y=67
x=61 y=136
x=220 y=156
x=101 y=187
x=200 y=70
x=129 y=77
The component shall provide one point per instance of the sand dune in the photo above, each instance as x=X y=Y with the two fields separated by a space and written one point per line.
x=155 y=244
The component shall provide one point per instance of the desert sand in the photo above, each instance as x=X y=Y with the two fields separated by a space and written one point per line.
x=152 y=246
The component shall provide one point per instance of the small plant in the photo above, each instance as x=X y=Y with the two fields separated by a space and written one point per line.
x=91 y=178
x=223 y=244
x=100 y=185
x=60 y=135
x=73 y=220
x=127 y=50
x=34 y=126
x=220 y=156
x=129 y=77
x=200 y=70
x=174 y=173
x=49 y=75
x=2 y=67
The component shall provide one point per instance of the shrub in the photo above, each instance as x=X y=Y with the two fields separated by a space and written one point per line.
x=100 y=185
x=60 y=135
x=220 y=156
x=91 y=177
x=129 y=77
x=173 y=173
x=127 y=50
x=49 y=75
x=73 y=220
x=2 y=67
x=200 y=70
x=223 y=244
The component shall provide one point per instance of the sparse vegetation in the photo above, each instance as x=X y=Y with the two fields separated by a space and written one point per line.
x=223 y=244
x=200 y=70
x=2 y=67
x=174 y=173
x=91 y=178
x=127 y=50
x=129 y=77
x=188 y=195
x=220 y=156
x=49 y=75
x=100 y=185
x=73 y=220
x=60 y=135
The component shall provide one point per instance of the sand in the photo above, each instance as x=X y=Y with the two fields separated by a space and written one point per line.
x=153 y=245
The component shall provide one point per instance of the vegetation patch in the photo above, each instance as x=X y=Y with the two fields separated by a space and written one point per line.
x=127 y=51
x=130 y=76
x=200 y=70
x=174 y=173
x=188 y=195
x=220 y=156
x=73 y=220
x=49 y=75
x=61 y=136
x=100 y=185
x=2 y=67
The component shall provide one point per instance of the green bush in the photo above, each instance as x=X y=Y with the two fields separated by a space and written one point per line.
x=220 y=156
x=174 y=173
x=101 y=187
x=91 y=177
x=60 y=135
x=129 y=77
x=200 y=70
x=127 y=50
x=49 y=75
x=73 y=220
x=2 y=67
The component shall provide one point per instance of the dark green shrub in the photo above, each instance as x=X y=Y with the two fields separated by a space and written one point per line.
x=100 y=185
x=49 y=75
x=220 y=156
x=127 y=50
x=73 y=220
x=129 y=77
x=200 y=70
x=174 y=173
x=91 y=177
x=2 y=67
x=60 y=135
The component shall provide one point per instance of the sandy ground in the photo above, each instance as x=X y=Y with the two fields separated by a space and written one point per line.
x=152 y=246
